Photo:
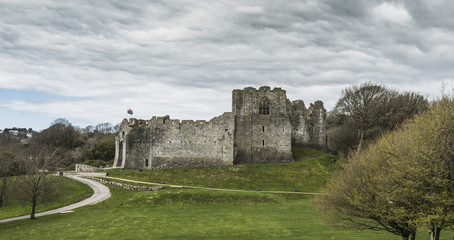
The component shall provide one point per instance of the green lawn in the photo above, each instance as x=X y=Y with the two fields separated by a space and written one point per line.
x=70 y=192
x=186 y=214
x=308 y=173
x=205 y=214
x=190 y=214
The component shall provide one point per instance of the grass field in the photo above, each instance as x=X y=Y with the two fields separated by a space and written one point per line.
x=204 y=214
x=308 y=173
x=186 y=214
x=70 y=192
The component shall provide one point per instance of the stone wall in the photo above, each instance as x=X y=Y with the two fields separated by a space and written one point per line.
x=308 y=125
x=168 y=143
x=125 y=185
x=86 y=168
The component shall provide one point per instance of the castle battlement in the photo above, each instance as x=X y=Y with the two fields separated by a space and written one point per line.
x=261 y=128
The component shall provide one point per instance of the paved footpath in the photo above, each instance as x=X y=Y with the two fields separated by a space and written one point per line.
x=100 y=194
x=208 y=188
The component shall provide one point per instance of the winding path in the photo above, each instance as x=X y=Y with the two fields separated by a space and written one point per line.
x=100 y=193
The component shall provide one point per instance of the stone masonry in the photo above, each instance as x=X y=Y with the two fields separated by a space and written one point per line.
x=261 y=128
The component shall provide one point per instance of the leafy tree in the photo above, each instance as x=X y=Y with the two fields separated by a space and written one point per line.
x=103 y=150
x=425 y=169
x=357 y=196
x=60 y=134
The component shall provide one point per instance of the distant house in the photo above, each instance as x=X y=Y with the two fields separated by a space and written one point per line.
x=18 y=133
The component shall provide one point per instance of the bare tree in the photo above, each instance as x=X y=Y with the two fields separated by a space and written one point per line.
x=37 y=184
x=360 y=103
x=368 y=111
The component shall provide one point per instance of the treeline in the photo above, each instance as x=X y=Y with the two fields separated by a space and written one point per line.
x=66 y=144
x=25 y=165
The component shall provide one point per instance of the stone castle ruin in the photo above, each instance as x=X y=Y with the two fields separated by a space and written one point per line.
x=262 y=128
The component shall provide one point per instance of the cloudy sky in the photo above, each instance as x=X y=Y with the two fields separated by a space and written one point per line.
x=89 y=61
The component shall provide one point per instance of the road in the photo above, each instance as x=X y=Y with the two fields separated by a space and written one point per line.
x=100 y=193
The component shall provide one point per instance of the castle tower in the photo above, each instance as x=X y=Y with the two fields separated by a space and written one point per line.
x=262 y=125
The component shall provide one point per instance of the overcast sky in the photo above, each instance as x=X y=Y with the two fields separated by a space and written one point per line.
x=89 y=61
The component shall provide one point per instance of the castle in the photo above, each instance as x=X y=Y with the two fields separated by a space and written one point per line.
x=262 y=128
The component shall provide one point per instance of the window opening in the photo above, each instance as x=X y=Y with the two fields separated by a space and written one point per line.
x=263 y=128
x=263 y=142
x=146 y=162
x=264 y=107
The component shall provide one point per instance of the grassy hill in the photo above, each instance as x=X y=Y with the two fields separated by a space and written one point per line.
x=308 y=173
x=183 y=213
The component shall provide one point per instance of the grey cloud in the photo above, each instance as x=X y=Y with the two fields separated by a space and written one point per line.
x=430 y=14
x=94 y=50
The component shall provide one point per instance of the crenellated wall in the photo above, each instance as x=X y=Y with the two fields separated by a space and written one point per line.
x=169 y=143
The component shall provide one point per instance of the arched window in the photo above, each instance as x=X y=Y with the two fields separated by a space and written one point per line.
x=146 y=162
x=264 y=108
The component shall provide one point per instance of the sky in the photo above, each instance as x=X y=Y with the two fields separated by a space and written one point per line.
x=90 y=61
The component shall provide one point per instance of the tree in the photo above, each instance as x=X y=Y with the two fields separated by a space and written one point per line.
x=400 y=107
x=61 y=138
x=357 y=196
x=361 y=105
x=428 y=178
x=341 y=133
x=104 y=128
x=403 y=180
x=60 y=134
x=364 y=112
x=36 y=184
x=103 y=150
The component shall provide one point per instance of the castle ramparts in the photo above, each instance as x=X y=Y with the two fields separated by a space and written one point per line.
x=261 y=128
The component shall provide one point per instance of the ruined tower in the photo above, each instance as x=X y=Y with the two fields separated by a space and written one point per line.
x=308 y=125
x=262 y=125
